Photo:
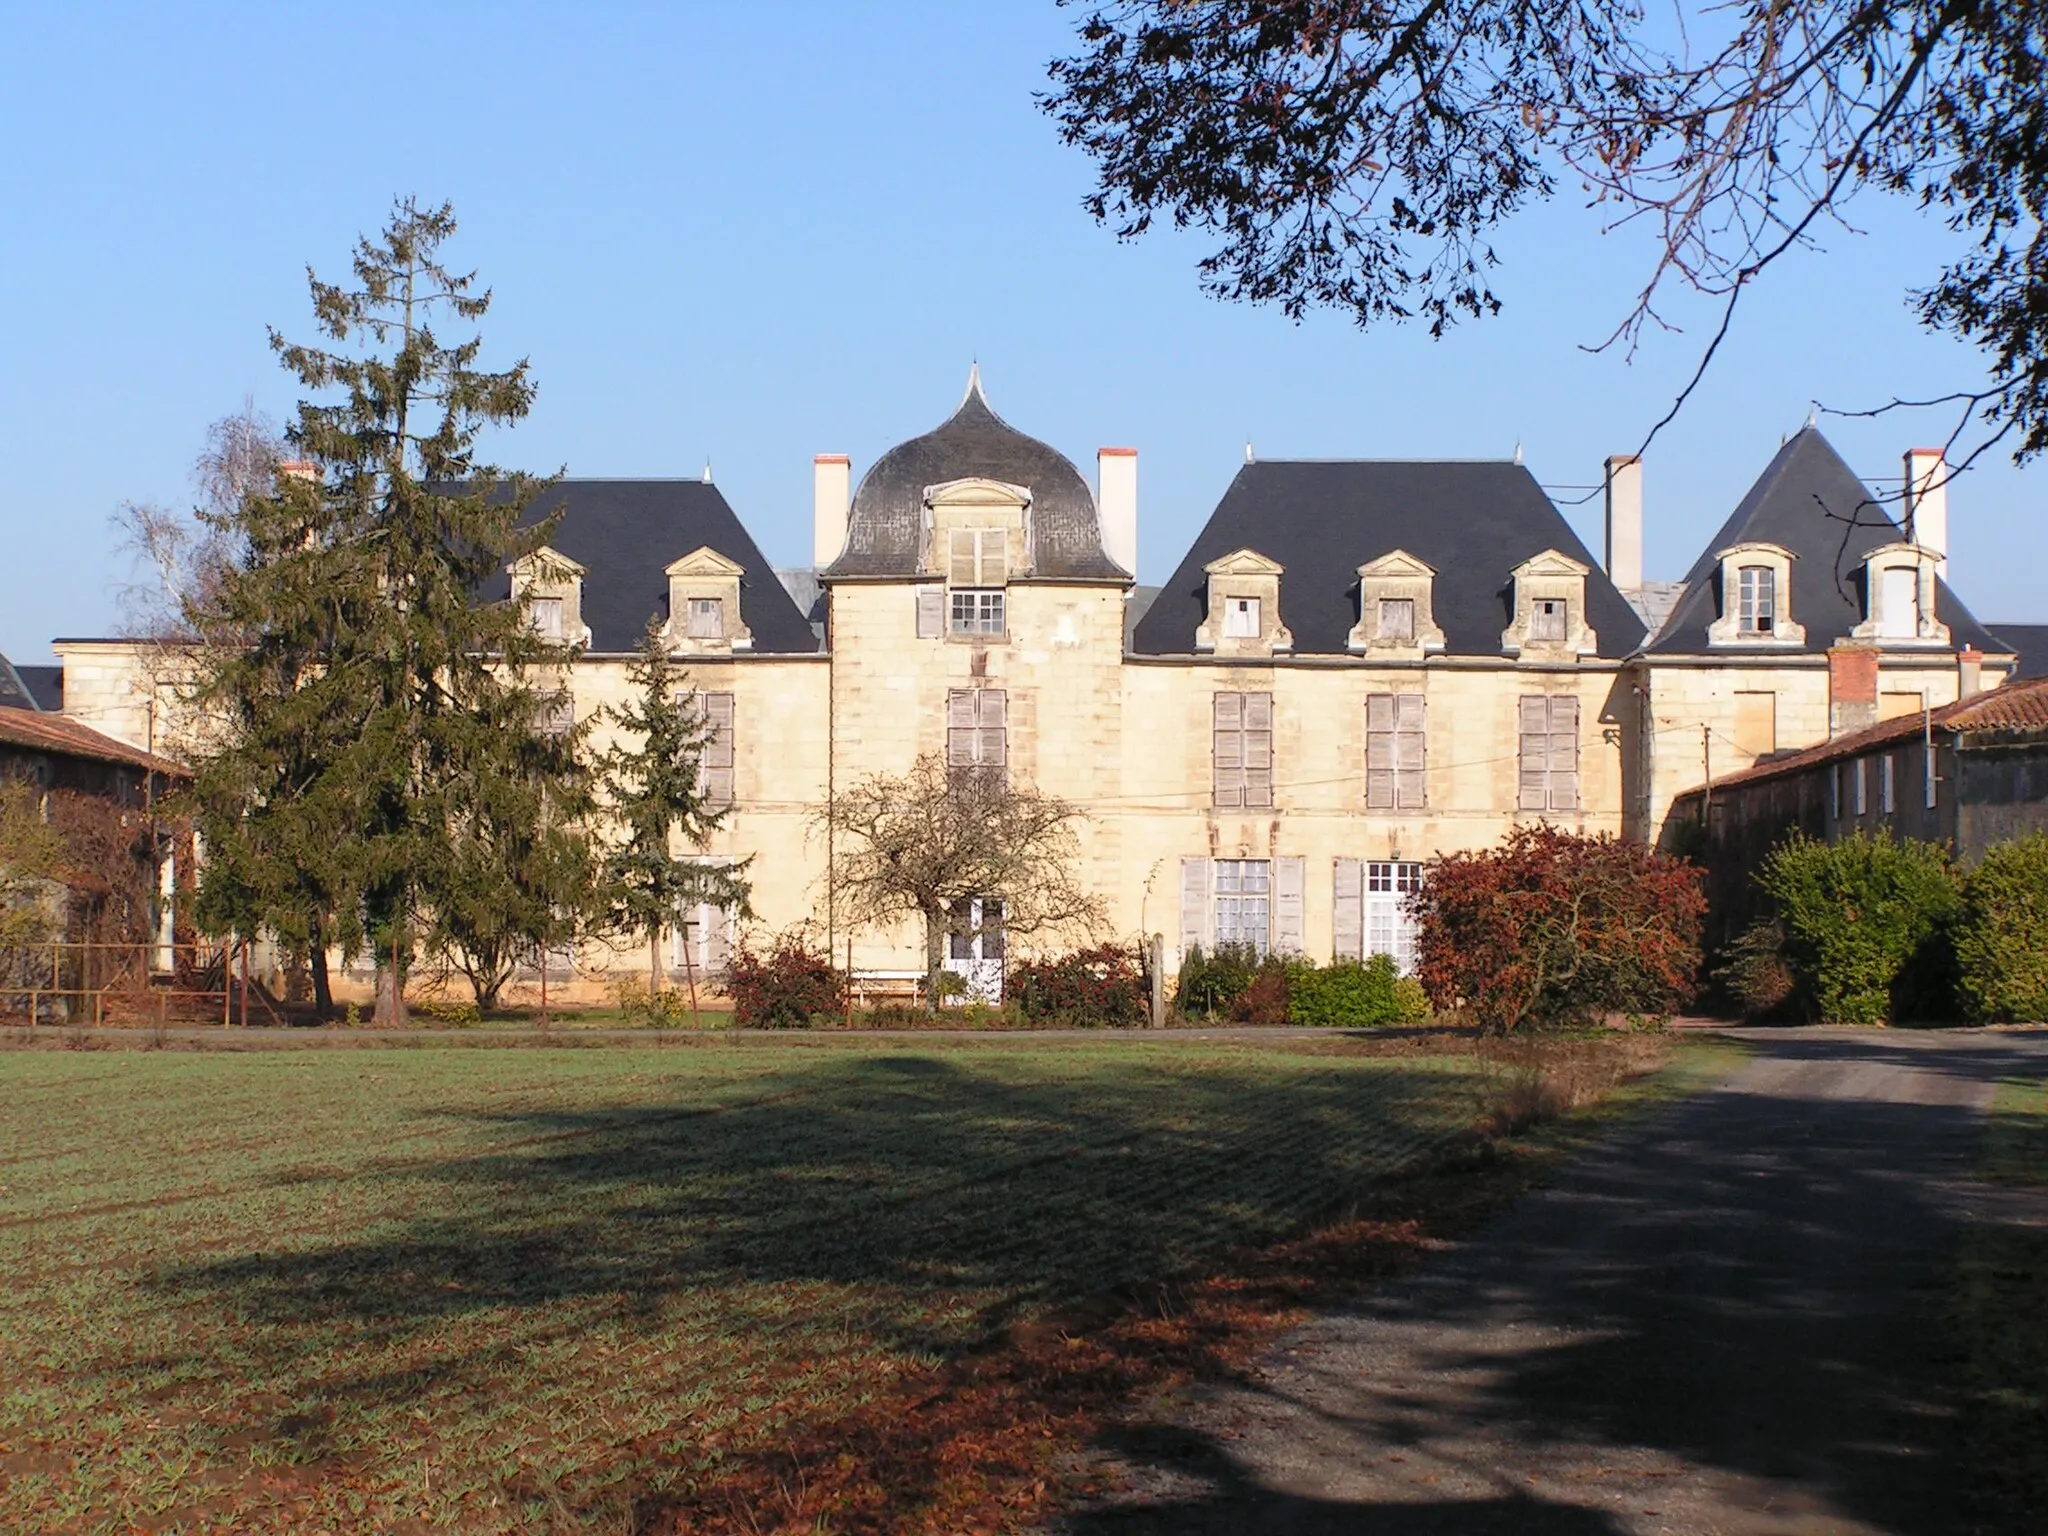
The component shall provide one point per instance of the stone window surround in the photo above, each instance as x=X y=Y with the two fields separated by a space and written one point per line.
x=1775 y=558
x=1244 y=573
x=550 y=573
x=976 y=503
x=1396 y=574
x=704 y=572
x=1556 y=575
x=1925 y=563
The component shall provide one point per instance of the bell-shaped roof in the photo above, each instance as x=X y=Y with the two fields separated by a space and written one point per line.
x=885 y=528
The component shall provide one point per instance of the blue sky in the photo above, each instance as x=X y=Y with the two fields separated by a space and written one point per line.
x=722 y=239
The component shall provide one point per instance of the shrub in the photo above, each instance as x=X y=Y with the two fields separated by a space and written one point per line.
x=1093 y=988
x=1353 y=994
x=1552 y=928
x=665 y=1009
x=1754 y=972
x=2001 y=933
x=1212 y=983
x=1856 y=914
x=785 y=988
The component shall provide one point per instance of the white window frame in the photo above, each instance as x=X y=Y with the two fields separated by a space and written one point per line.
x=976 y=611
x=1241 y=903
x=1390 y=926
x=1756 y=600
x=1860 y=783
x=548 y=616
x=1241 y=618
x=1887 y=784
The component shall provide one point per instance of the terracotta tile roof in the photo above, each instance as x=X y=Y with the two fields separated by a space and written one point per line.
x=63 y=735
x=2016 y=707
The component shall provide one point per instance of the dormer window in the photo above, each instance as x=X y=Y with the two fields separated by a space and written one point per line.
x=1243 y=607
x=707 y=618
x=548 y=586
x=1756 y=608
x=1899 y=597
x=545 y=615
x=1755 y=597
x=1549 y=614
x=978 y=557
x=1394 y=609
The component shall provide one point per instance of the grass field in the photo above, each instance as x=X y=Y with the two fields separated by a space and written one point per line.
x=519 y=1290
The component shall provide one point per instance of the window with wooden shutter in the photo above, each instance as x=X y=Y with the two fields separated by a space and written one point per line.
x=1549 y=778
x=1194 y=906
x=555 y=714
x=1547 y=619
x=715 y=756
x=1348 y=910
x=1395 y=771
x=1397 y=618
x=1244 y=904
x=545 y=615
x=977 y=728
x=931 y=613
x=978 y=557
x=1241 y=751
x=702 y=938
x=706 y=618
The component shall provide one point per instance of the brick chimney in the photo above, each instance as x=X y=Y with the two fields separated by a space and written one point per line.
x=1624 y=483
x=1926 y=503
x=1116 y=503
x=1852 y=689
x=831 y=495
x=1969 y=672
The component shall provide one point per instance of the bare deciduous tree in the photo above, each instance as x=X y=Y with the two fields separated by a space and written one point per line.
x=929 y=841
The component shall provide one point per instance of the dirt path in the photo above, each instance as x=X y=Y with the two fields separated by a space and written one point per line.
x=1719 y=1323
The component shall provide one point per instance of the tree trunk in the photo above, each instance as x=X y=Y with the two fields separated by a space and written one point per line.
x=934 y=954
x=390 y=1011
x=653 y=963
x=316 y=959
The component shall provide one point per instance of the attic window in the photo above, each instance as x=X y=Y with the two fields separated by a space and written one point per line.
x=1756 y=600
x=1397 y=618
x=1546 y=619
x=1241 y=617
x=978 y=557
x=545 y=615
x=1898 y=612
x=707 y=618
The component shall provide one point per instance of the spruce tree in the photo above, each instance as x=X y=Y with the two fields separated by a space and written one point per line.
x=383 y=717
x=654 y=793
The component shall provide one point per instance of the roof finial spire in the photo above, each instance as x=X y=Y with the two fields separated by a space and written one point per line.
x=1249 y=458
x=707 y=471
x=1518 y=452
x=1812 y=417
x=974 y=383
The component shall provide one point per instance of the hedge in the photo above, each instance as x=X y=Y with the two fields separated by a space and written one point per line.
x=2001 y=935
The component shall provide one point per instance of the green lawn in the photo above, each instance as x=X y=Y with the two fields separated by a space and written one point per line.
x=441 y=1288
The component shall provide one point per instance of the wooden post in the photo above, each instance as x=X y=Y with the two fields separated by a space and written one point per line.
x=543 y=988
x=1155 y=957
x=227 y=982
x=245 y=983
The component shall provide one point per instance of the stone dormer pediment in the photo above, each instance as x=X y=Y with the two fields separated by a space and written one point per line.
x=1549 y=614
x=704 y=616
x=550 y=587
x=1396 y=608
x=975 y=491
x=1243 y=615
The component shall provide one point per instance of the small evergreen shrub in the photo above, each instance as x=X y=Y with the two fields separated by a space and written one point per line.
x=2001 y=933
x=1863 y=920
x=1754 y=972
x=785 y=988
x=1354 y=994
x=1552 y=928
x=1101 y=988
x=1211 y=983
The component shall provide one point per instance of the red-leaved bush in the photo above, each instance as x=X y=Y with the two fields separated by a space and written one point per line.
x=1552 y=929
x=785 y=988
x=1091 y=988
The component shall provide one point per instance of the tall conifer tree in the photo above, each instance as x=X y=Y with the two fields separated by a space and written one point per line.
x=654 y=791
x=381 y=709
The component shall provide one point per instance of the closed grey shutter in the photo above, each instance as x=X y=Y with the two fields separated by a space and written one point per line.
x=931 y=613
x=1258 y=750
x=963 y=723
x=994 y=564
x=1379 y=752
x=1411 y=778
x=1289 y=878
x=994 y=744
x=1349 y=909
x=960 y=565
x=1227 y=750
x=1194 y=905
x=718 y=748
x=1564 y=754
x=1535 y=754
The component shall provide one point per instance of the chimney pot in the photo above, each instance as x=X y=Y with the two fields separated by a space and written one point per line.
x=831 y=496
x=1116 y=504
x=1624 y=484
x=1969 y=672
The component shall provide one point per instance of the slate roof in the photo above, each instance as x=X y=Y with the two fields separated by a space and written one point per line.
x=2030 y=643
x=885 y=528
x=14 y=689
x=45 y=685
x=2016 y=709
x=626 y=533
x=1472 y=521
x=1806 y=500
x=65 y=737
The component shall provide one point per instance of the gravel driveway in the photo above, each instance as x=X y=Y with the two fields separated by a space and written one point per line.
x=1720 y=1322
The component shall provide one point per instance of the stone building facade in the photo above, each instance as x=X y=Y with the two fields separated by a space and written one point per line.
x=1357 y=666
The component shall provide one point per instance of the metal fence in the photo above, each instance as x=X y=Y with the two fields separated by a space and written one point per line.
x=94 y=984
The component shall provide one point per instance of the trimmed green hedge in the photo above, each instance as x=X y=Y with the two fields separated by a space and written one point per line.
x=1238 y=984
x=2001 y=936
